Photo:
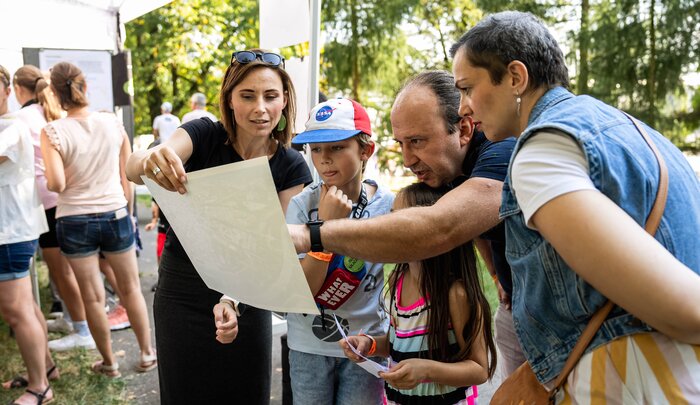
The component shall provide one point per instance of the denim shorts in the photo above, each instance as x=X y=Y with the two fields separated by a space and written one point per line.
x=88 y=234
x=15 y=258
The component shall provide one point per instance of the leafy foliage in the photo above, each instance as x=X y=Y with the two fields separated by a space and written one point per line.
x=629 y=53
x=183 y=48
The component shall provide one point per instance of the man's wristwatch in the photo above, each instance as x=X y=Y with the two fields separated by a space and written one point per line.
x=315 y=235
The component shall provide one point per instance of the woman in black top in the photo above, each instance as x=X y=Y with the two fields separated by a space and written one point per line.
x=257 y=103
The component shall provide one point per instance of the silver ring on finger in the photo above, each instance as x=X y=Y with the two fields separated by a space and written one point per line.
x=156 y=170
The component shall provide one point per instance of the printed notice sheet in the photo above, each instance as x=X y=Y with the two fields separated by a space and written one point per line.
x=231 y=225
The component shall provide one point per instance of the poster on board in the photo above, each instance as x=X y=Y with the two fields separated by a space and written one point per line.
x=97 y=68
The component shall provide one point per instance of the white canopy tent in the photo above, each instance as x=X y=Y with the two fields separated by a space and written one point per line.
x=64 y=24
x=95 y=25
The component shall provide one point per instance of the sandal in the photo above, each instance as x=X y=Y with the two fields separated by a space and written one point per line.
x=112 y=371
x=148 y=363
x=40 y=398
x=20 y=381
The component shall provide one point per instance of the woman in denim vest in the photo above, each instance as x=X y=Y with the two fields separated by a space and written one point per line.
x=581 y=184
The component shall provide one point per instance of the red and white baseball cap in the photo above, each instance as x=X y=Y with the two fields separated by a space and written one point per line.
x=334 y=120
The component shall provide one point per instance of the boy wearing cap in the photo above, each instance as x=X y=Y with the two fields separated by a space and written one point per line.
x=339 y=136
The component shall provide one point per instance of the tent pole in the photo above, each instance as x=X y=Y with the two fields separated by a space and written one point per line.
x=315 y=52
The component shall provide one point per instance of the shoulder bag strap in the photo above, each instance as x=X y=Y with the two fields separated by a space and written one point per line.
x=652 y=223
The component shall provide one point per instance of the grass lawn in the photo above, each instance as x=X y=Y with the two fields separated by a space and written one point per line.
x=77 y=385
x=488 y=286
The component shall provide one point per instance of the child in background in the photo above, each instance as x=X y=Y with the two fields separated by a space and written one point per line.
x=339 y=136
x=439 y=338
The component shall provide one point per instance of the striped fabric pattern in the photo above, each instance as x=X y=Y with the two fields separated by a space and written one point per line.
x=408 y=337
x=645 y=368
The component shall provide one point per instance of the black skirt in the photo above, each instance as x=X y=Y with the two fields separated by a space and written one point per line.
x=192 y=365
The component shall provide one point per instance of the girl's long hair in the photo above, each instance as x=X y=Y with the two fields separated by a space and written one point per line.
x=437 y=277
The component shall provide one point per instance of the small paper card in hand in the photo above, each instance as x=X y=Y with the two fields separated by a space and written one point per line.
x=371 y=366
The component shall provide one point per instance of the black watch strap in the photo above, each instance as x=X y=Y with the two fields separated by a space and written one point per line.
x=315 y=235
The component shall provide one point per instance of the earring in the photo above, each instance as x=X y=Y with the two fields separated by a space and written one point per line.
x=518 y=101
x=282 y=124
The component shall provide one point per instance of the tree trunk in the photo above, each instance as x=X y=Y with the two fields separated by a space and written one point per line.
x=584 y=43
x=356 y=52
x=173 y=74
x=651 y=80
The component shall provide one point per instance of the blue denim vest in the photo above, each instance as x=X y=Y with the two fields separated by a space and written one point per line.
x=551 y=304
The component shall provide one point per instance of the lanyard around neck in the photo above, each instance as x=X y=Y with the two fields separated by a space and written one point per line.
x=361 y=205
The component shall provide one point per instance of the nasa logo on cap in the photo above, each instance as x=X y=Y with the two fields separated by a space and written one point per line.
x=324 y=113
x=333 y=121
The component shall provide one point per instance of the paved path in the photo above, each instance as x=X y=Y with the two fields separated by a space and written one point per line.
x=143 y=388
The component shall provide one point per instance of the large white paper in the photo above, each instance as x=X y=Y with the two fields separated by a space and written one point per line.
x=369 y=365
x=231 y=225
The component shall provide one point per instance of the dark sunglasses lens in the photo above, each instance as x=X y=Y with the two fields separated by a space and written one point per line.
x=244 y=56
x=272 y=59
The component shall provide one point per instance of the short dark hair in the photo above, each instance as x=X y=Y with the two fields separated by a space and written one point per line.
x=504 y=37
x=442 y=84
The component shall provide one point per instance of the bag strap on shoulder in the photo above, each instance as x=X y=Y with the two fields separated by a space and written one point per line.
x=652 y=223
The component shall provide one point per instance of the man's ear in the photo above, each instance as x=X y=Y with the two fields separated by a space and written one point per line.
x=466 y=130
x=518 y=77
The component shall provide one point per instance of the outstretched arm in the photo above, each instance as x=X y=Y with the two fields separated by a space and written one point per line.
x=169 y=157
x=609 y=250
x=414 y=233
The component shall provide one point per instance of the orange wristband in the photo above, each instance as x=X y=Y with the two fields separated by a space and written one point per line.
x=373 y=348
x=324 y=257
x=495 y=278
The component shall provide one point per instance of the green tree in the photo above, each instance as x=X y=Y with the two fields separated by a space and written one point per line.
x=185 y=47
x=373 y=46
x=638 y=53
x=439 y=25
x=365 y=50
x=629 y=53
x=366 y=56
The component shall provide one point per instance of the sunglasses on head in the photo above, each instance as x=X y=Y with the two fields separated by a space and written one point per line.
x=269 y=58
